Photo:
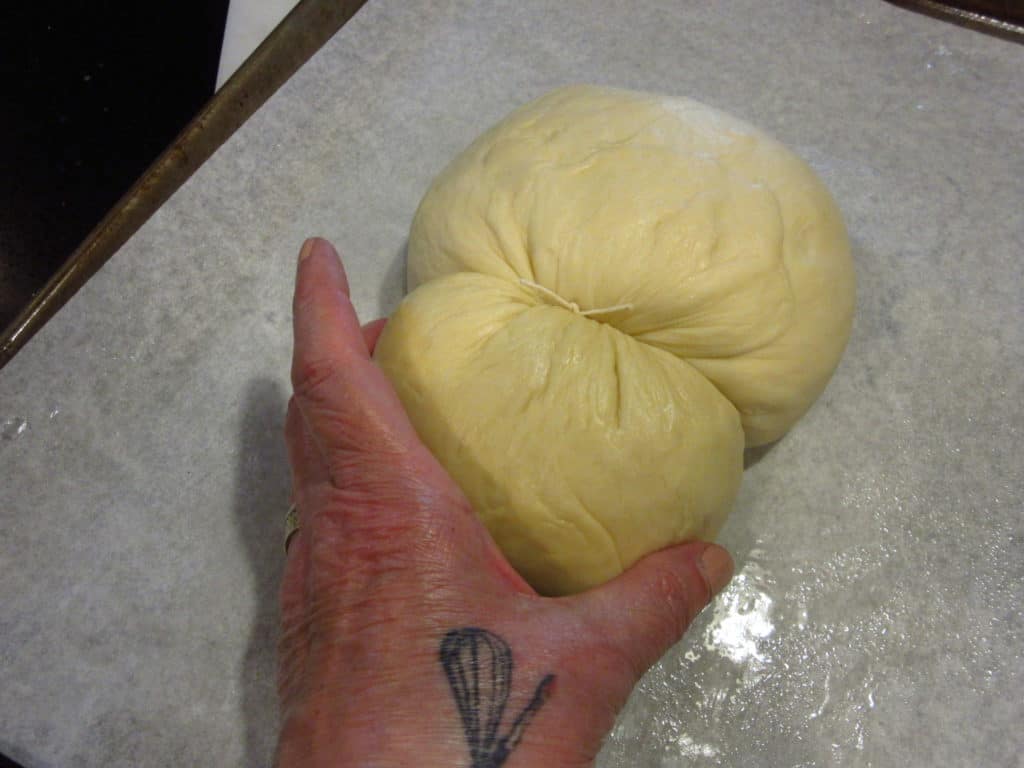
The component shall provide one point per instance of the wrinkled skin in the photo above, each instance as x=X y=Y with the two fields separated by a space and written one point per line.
x=389 y=557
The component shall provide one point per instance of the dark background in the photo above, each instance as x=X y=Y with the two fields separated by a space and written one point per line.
x=1008 y=10
x=91 y=92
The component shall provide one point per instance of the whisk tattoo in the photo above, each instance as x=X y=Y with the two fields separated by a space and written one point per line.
x=478 y=665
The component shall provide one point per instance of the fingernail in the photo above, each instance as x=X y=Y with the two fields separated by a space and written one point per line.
x=307 y=249
x=717 y=567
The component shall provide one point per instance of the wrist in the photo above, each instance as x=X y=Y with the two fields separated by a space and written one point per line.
x=375 y=741
x=424 y=728
x=350 y=717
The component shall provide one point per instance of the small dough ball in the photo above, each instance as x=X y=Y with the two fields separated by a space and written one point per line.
x=581 y=448
x=614 y=292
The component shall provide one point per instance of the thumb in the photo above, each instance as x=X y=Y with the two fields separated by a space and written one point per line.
x=647 y=608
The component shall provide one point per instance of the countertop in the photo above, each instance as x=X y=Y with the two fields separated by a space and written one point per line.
x=875 y=618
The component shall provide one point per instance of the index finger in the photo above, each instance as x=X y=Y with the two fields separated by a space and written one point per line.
x=346 y=400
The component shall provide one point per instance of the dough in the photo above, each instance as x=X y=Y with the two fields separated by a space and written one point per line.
x=614 y=292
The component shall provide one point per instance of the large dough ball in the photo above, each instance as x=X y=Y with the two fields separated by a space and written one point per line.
x=614 y=292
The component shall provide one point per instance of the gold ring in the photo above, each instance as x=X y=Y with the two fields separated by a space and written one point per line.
x=291 y=526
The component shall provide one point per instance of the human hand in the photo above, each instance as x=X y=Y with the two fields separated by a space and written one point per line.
x=407 y=638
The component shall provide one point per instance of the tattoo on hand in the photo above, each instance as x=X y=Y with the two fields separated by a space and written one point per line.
x=478 y=665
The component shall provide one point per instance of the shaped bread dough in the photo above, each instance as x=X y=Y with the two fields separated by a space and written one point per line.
x=613 y=293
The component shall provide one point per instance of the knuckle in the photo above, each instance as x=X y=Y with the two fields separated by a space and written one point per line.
x=673 y=603
x=370 y=525
x=308 y=376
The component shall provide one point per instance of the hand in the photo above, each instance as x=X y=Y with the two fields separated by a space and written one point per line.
x=407 y=638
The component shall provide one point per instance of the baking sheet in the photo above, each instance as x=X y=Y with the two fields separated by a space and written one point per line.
x=875 y=618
